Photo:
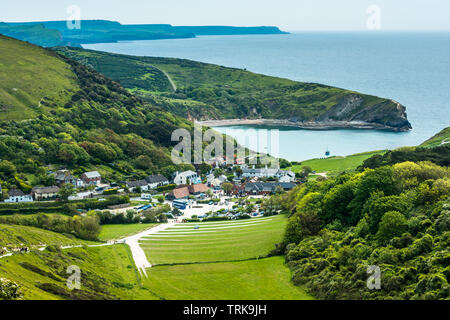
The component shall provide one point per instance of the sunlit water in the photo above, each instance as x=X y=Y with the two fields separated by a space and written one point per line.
x=411 y=68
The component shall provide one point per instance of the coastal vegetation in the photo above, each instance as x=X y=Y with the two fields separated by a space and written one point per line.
x=207 y=92
x=393 y=215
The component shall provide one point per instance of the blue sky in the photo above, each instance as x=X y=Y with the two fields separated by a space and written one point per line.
x=291 y=15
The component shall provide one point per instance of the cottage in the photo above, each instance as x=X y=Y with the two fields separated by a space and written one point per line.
x=44 y=193
x=142 y=184
x=157 y=180
x=91 y=178
x=64 y=177
x=264 y=188
x=186 y=177
x=16 y=195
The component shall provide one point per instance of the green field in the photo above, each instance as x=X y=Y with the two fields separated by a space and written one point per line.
x=265 y=279
x=219 y=241
x=335 y=165
x=118 y=231
x=220 y=260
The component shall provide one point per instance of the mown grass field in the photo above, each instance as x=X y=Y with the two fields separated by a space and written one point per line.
x=119 y=231
x=265 y=279
x=334 y=165
x=220 y=260
x=218 y=241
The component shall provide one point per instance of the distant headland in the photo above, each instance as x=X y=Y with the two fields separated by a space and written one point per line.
x=56 y=33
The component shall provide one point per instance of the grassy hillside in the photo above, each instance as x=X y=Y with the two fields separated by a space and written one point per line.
x=106 y=273
x=77 y=119
x=32 y=80
x=15 y=236
x=216 y=92
x=334 y=165
x=439 y=139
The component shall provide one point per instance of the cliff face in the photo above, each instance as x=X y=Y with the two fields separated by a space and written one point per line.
x=388 y=114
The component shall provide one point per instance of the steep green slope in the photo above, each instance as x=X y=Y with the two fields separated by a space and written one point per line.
x=15 y=236
x=107 y=273
x=439 y=139
x=31 y=80
x=206 y=91
x=84 y=120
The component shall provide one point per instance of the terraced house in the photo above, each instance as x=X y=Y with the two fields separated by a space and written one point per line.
x=45 y=193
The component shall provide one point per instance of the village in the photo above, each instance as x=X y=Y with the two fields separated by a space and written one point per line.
x=224 y=191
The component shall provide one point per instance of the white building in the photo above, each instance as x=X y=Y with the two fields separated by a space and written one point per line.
x=16 y=195
x=284 y=175
x=186 y=177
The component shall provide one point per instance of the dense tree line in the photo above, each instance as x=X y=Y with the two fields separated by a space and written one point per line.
x=395 y=217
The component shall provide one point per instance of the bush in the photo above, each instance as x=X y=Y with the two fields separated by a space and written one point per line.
x=9 y=290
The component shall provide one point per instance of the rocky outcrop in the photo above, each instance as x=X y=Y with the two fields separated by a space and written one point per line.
x=387 y=114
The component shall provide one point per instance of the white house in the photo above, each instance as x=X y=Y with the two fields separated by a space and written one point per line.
x=16 y=195
x=142 y=184
x=285 y=175
x=186 y=177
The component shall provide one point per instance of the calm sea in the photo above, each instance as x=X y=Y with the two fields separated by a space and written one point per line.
x=410 y=67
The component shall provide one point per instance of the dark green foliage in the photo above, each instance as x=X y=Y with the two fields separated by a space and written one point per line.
x=439 y=155
x=395 y=217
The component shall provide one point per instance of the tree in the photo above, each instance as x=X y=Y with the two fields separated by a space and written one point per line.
x=217 y=172
x=7 y=169
x=66 y=191
x=227 y=187
x=392 y=224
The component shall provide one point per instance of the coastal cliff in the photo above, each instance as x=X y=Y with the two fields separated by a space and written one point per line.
x=220 y=95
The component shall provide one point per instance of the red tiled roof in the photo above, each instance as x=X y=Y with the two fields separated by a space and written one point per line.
x=198 y=188
x=180 y=192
